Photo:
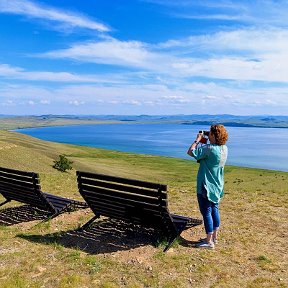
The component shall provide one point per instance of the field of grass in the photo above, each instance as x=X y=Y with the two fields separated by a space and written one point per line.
x=252 y=249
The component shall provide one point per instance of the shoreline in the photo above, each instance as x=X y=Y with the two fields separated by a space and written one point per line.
x=19 y=122
x=143 y=154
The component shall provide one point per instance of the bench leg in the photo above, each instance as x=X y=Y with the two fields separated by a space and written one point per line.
x=170 y=242
x=86 y=225
x=3 y=203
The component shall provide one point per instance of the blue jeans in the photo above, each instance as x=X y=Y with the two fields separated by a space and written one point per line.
x=210 y=213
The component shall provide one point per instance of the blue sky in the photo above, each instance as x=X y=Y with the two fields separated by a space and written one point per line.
x=143 y=57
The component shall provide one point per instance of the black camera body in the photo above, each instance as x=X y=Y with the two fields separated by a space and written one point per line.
x=205 y=133
x=204 y=139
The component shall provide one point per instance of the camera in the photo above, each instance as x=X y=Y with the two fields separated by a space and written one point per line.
x=205 y=133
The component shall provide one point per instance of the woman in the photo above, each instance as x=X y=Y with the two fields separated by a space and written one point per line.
x=210 y=179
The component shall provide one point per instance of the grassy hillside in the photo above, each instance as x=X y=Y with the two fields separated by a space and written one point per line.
x=251 y=251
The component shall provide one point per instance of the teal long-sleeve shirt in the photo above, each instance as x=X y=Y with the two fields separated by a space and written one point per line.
x=212 y=159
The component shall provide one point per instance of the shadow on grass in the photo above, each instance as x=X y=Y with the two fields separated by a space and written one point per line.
x=105 y=236
x=25 y=213
x=187 y=243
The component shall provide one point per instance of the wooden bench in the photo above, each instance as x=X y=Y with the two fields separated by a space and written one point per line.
x=25 y=187
x=134 y=201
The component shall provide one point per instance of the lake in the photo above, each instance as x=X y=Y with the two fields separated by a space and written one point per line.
x=248 y=147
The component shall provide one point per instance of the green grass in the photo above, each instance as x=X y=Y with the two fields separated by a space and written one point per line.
x=251 y=253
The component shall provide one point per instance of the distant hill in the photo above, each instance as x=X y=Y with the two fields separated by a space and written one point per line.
x=8 y=122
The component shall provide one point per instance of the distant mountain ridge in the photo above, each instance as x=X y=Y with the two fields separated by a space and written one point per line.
x=265 y=121
x=194 y=119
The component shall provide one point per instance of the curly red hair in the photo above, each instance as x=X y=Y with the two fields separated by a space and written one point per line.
x=220 y=133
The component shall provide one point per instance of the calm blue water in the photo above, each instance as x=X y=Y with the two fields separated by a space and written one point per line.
x=248 y=147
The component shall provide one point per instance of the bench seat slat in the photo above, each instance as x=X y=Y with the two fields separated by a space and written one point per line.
x=24 y=196
x=125 y=188
x=19 y=193
x=122 y=180
x=118 y=205
x=106 y=199
x=19 y=189
x=61 y=202
x=15 y=183
x=28 y=199
x=59 y=198
x=118 y=194
x=22 y=178
x=17 y=172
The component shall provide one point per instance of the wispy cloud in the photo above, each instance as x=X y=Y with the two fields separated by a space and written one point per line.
x=45 y=102
x=250 y=41
x=35 y=10
x=250 y=54
x=194 y=96
x=11 y=72
x=76 y=102
x=257 y=12
x=247 y=54
x=110 y=51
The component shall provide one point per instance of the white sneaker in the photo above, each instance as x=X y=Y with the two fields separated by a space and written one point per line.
x=206 y=245
x=204 y=240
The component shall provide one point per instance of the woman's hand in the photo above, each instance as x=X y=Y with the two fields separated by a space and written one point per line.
x=199 y=137
x=195 y=143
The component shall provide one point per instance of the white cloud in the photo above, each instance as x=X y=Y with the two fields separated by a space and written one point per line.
x=258 y=13
x=76 y=102
x=34 y=10
x=45 y=102
x=110 y=51
x=7 y=103
x=194 y=97
x=272 y=69
x=10 y=72
x=250 y=54
x=175 y=99
x=239 y=55
x=132 y=102
x=250 y=42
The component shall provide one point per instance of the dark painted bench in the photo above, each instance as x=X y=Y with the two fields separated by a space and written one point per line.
x=25 y=187
x=134 y=201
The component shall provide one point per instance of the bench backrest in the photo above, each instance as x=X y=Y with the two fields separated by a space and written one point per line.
x=139 y=202
x=23 y=187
